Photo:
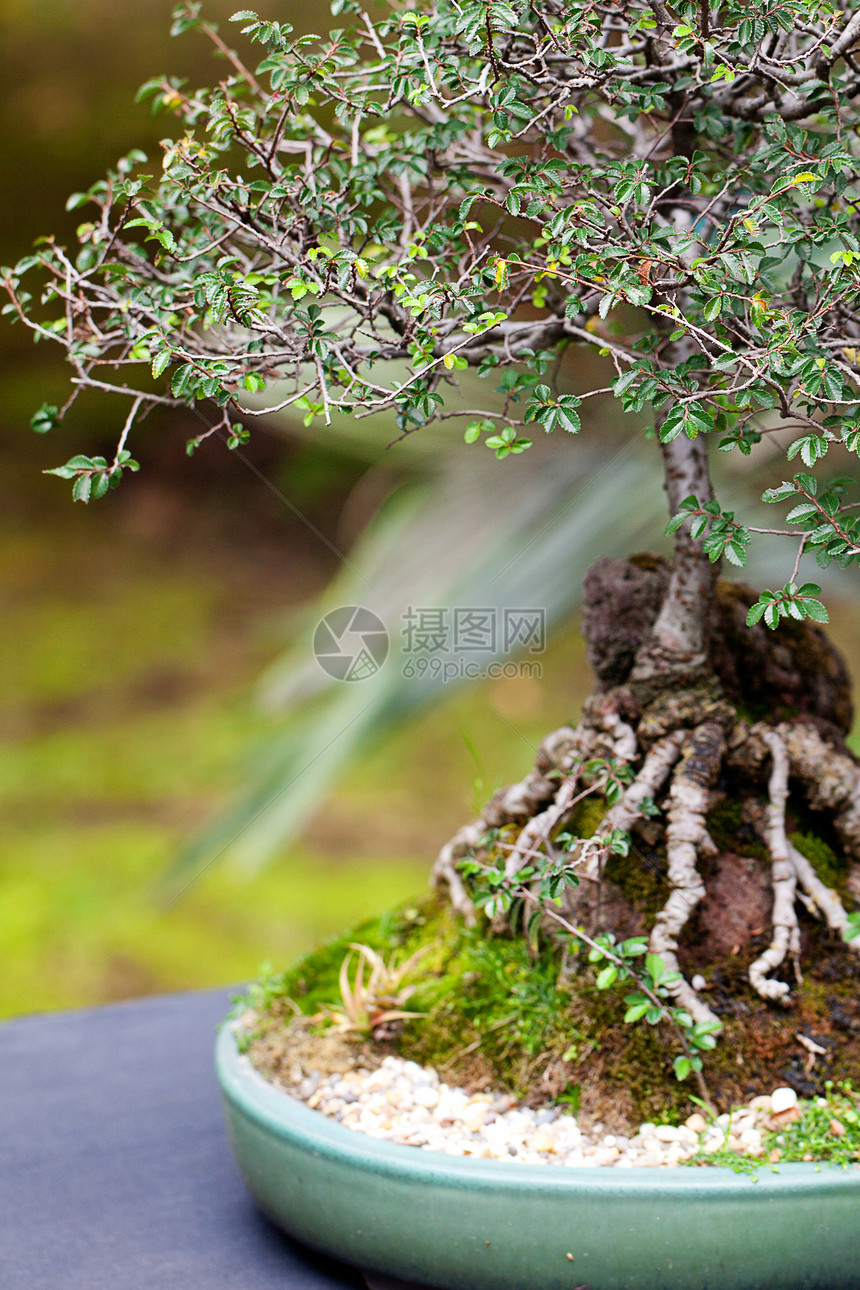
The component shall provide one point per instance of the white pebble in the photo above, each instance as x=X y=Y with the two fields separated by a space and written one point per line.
x=782 y=1099
x=425 y=1096
x=403 y=1102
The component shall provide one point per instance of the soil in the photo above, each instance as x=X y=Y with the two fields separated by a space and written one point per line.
x=290 y=1053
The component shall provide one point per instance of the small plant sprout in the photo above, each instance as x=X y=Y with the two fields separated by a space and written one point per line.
x=369 y=1007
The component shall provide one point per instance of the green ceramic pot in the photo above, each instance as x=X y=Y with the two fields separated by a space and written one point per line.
x=460 y=1224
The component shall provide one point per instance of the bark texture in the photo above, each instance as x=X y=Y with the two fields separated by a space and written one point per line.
x=677 y=644
x=793 y=672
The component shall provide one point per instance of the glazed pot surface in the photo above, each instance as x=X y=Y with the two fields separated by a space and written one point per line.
x=455 y=1223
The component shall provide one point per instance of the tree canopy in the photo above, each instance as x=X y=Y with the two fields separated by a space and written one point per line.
x=349 y=223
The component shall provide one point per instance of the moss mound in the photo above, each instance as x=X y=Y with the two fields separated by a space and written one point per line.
x=497 y=1013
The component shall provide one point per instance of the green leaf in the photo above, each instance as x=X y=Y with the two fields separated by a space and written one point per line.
x=82 y=488
x=816 y=611
x=633 y=947
x=636 y=1011
x=606 y=977
x=735 y=554
x=45 y=419
x=181 y=380
x=681 y=1066
x=161 y=361
x=801 y=512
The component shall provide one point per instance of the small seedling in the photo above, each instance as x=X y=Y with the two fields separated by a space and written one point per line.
x=367 y=1006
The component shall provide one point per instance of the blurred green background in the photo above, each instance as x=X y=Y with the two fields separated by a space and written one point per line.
x=135 y=631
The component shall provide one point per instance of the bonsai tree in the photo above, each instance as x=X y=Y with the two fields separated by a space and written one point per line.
x=474 y=186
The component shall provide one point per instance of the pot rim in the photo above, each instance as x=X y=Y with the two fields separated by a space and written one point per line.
x=277 y=1111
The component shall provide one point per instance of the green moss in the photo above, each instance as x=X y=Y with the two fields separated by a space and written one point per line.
x=496 y=1011
x=641 y=882
x=313 y=980
x=730 y=832
x=532 y=1021
x=503 y=1003
x=830 y=867
x=633 y=1061
x=587 y=817
x=828 y=1130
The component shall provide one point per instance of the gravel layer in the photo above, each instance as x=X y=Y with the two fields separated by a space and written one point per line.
x=407 y=1103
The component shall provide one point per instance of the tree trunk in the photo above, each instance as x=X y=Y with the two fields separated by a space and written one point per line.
x=676 y=650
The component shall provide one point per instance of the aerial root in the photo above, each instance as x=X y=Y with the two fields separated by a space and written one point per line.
x=623 y=736
x=822 y=898
x=445 y=869
x=686 y=833
x=690 y=762
x=539 y=830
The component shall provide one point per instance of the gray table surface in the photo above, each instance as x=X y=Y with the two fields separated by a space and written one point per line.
x=115 y=1171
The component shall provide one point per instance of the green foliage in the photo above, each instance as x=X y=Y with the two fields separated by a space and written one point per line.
x=722 y=537
x=650 y=1003
x=92 y=476
x=367 y=1006
x=490 y=992
x=828 y=1130
x=346 y=223
x=313 y=982
x=508 y=987
x=792 y=602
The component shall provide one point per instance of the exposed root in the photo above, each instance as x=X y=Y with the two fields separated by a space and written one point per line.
x=678 y=770
x=822 y=898
x=647 y=784
x=786 y=933
x=524 y=801
x=689 y=798
x=540 y=828
x=831 y=780
x=445 y=872
x=623 y=736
